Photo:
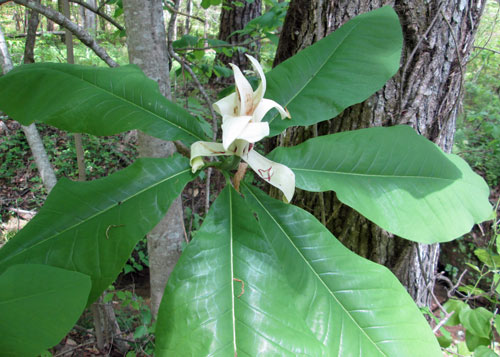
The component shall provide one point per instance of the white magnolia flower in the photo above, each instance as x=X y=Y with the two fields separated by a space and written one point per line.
x=242 y=126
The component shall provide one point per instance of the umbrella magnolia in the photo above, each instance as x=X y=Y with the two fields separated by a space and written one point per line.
x=260 y=277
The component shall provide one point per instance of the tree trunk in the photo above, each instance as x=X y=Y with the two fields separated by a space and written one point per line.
x=147 y=47
x=234 y=17
x=425 y=93
x=89 y=17
x=189 y=10
x=70 y=58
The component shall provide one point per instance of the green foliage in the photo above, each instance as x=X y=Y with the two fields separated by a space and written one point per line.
x=259 y=275
x=139 y=258
x=51 y=48
x=133 y=315
x=477 y=138
x=477 y=322
x=393 y=170
x=101 y=154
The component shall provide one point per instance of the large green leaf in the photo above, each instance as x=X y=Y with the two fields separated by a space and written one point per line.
x=284 y=286
x=394 y=177
x=477 y=321
x=342 y=69
x=206 y=312
x=100 y=101
x=92 y=227
x=39 y=304
x=354 y=306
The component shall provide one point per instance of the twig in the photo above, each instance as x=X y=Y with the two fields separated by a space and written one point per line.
x=98 y=12
x=79 y=32
x=22 y=211
x=453 y=287
x=90 y=332
x=62 y=353
x=486 y=49
x=201 y=89
x=177 y=12
x=185 y=234
x=241 y=44
x=39 y=33
x=453 y=353
x=443 y=321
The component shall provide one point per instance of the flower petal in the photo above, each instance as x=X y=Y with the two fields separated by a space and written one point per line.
x=259 y=93
x=244 y=91
x=204 y=148
x=278 y=175
x=232 y=128
x=227 y=105
x=266 y=105
x=238 y=147
x=255 y=132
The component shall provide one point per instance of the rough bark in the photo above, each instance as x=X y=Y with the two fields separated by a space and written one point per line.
x=425 y=94
x=106 y=326
x=234 y=18
x=147 y=47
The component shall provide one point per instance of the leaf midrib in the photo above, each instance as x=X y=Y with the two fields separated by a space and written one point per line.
x=314 y=272
x=450 y=180
x=114 y=205
x=320 y=68
x=233 y=316
x=121 y=99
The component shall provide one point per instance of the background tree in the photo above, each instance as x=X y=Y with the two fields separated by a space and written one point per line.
x=425 y=93
x=89 y=17
x=233 y=17
x=147 y=47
